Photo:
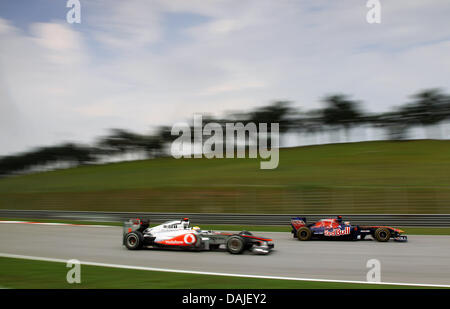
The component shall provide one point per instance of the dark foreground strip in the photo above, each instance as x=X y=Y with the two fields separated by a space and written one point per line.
x=216 y=298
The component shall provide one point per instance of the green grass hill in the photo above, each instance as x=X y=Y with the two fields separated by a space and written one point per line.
x=365 y=177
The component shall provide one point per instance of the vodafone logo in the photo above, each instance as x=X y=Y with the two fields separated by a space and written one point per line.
x=189 y=239
x=180 y=240
x=173 y=242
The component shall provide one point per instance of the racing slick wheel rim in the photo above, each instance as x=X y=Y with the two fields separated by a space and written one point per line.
x=304 y=233
x=235 y=245
x=382 y=234
x=132 y=240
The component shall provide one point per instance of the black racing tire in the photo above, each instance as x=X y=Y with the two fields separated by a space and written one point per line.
x=382 y=234
x=134 y=240
x=235 y=245
x=304 y=233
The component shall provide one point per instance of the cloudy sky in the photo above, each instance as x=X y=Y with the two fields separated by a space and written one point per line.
x=137 y=64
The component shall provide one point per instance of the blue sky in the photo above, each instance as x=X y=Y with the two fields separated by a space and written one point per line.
x=138 y=64
x=24 y=12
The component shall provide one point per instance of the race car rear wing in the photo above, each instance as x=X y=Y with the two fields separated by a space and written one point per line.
x=135 y=224
x=297 y=223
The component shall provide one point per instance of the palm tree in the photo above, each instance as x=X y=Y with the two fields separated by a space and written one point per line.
x=311 y=123
x=340 y=112
x=164 y=135
x=394 y=122
x=151 y=145
x=47 y=157
x=429 y=108
x=120 y=142
x=277 y=112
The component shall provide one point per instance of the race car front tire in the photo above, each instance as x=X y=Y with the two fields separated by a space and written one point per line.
x=382 y=234
x=134 y=240
x=235 y=245
x=304 y=233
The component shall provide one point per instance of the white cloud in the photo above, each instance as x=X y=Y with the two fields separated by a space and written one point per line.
x=130 y=24
x=119 y=68
x=60 y=43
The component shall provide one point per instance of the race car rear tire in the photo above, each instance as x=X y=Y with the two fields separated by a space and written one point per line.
x=134 y=240
x=304 y=233
x=382 y=234
x=235 y=245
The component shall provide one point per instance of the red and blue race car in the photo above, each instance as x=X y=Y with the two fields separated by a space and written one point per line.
x=335 y=228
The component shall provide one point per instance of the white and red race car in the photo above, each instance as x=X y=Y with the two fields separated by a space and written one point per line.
x=178 y=233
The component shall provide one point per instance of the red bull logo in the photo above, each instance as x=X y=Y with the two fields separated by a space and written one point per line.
x=337 y=232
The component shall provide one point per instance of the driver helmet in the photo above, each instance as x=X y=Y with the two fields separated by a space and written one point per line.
x=185 y=223
x=196 y=228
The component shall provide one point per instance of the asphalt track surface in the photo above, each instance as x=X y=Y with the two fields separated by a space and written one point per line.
x=422 y=260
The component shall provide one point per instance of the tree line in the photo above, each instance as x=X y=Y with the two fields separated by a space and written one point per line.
x=428 y=108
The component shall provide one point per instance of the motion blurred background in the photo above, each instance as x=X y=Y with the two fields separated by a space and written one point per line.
x=86 y=109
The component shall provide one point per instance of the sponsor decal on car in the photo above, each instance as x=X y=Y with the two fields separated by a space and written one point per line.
x=298 y=223
x=173 y=242
x=189 y=239
x=181 y=240
x=337 y=232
